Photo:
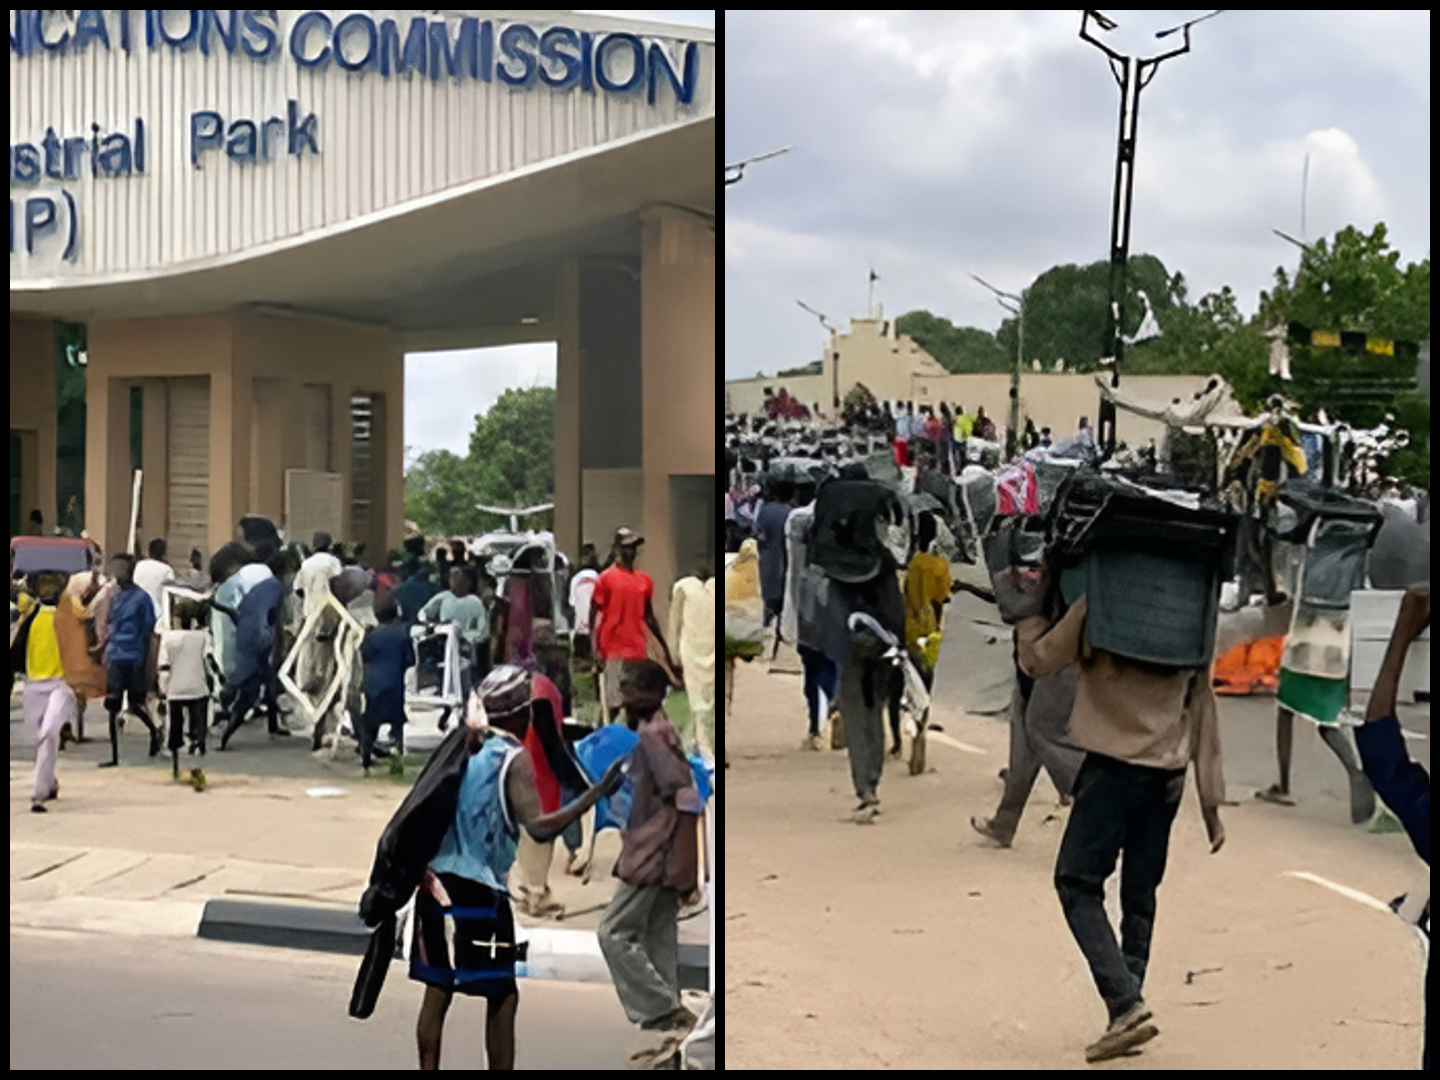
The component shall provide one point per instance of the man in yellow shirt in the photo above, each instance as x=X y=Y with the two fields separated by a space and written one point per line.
x=48 y=701
x=927 y=591
x=964 y=425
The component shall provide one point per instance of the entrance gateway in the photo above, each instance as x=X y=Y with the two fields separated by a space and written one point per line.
x=258 y=213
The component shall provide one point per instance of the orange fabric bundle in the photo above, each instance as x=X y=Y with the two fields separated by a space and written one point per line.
x=1253 y=667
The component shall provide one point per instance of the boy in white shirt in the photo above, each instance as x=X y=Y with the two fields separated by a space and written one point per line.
x=182 y=681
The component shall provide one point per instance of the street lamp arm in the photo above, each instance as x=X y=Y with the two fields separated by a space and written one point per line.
x=823 y=321
x=1104 y=24
x=739 y=167
x=1150 y=61
x=997 y=292
x=1298 y=243
x=1184 y=48
x=1192 y=22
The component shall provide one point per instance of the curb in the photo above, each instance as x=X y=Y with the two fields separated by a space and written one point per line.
x=562 y=955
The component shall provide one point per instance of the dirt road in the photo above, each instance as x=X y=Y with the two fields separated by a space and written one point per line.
x=911 y=944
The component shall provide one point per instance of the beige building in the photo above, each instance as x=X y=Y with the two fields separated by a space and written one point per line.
x=257 y=214
x=894 y=368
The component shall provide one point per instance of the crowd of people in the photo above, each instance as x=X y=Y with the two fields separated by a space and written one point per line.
x=161 y=645
x=848 y=570
x=144 y=635
x=942 y=431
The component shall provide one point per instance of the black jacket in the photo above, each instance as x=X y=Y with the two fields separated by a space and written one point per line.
x=407 y=845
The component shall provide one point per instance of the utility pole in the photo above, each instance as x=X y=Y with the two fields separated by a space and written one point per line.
x=1132 y=76
x=1012 y=438
x=831 y=351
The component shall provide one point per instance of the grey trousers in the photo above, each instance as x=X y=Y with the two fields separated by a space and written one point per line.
x=1038 y=739
x=864 y=691
x=640 y=941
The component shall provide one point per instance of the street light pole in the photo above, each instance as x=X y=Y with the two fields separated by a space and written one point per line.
x=831 y=351
x=1012 y=442
x=1132 y=76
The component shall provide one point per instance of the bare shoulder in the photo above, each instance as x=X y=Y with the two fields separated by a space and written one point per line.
x=520 y=788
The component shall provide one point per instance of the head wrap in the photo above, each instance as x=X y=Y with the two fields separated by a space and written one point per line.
x=505 y=690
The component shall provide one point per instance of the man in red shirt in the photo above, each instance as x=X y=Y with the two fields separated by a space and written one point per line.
x=621 y=606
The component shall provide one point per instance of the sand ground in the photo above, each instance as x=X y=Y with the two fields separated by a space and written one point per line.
x=910 y=943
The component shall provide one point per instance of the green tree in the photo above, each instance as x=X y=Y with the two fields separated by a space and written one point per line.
x=440 y=495
x=1209 y=337
x=962 y=350
x=511 y=463
x=1065 y=312
x=1354 y=282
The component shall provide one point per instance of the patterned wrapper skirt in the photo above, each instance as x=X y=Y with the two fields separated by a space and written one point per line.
x=469 y=948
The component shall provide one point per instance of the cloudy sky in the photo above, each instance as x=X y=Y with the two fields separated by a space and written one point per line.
x=938 y=144
x=444 y=390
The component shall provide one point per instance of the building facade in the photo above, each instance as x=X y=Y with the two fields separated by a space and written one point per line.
x=257 y=213
x=896 y=369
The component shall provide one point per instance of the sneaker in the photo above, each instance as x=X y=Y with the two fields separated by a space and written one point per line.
x=867 y=811
x=986 y=828
x=1125 y=1033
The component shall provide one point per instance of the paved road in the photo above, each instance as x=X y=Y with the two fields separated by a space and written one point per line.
x=90 y=1001
x=107 y=889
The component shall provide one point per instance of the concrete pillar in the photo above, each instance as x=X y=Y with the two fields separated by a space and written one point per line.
x=678 y=362
x=32 y=415
x=599 y=419
x=230 y=408
x=107 y=460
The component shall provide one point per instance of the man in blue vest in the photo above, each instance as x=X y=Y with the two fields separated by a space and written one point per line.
x=465 y=882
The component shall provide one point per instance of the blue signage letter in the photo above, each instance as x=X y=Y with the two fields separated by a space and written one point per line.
x=205 y=134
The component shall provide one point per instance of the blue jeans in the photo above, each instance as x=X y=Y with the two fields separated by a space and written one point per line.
x=1118 y=806
x=821 y=673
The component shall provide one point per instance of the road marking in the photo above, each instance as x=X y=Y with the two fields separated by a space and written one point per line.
x=1343 y=890
x=938 y=736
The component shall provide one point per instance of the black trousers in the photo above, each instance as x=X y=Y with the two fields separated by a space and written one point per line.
x=188 y=716
x=1118 y=807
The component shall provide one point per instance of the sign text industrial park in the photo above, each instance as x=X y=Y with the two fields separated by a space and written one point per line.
x=558 y=59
